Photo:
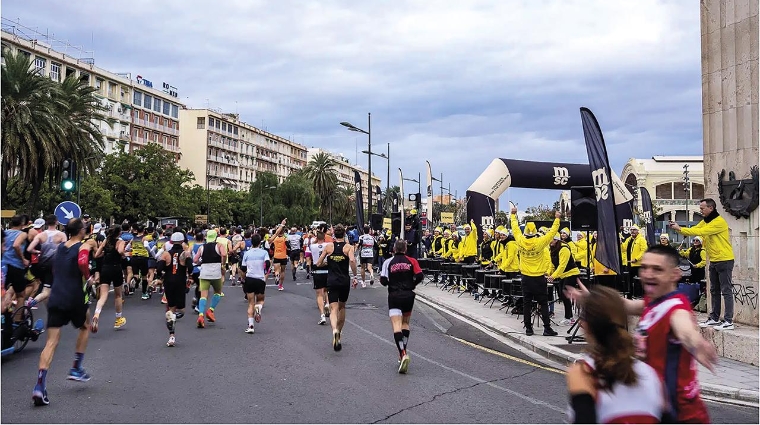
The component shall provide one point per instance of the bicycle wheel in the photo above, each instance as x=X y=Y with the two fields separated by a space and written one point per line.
x=23 y=323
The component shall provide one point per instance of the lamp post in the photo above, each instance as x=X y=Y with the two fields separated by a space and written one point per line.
x=686 y=187
x=352 y=127
x=388 y=180
x=261 y=203
x=419 y=187
x=441 y=202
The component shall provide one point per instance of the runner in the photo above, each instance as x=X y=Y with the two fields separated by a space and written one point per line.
x=126 y=265
x=236 y=256
x=67 y=303
x=14 y=259
x=47 y=242
x=255 y=265
x=211 y=256
x=295 y=241
x=177 y=267
x=320 y=277
x=198 y=243
x=112 y=252
x=367 y=256
x=279 y=243
x=337 y=257
x=307 y=242
x=139 y=260
x=401 y=274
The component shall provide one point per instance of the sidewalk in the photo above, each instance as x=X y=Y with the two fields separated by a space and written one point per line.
x=733 y=379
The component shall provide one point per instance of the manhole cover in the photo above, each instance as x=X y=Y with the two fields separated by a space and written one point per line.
x=361 y=306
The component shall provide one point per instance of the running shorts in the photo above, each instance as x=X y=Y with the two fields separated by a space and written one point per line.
x=366 y=260
x=175 y=293
x=125 y=262
x=16 y=278
x=403 y=301
x=254 y=286
x=140 y=266
x=152 y=263
x=295 y=255
x=307 y=254
x=112 y=275
x=320 y=280
x=207 y=283
x=45 y=274
x=281 y=261
x=338 y=293
x=58 y=318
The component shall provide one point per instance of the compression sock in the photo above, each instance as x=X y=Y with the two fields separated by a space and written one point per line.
x=215 y=301
x=399 y=338
x=405 y=332
x=78 y=357
x=250 y=321
x=144 y=285
x=41 y=377
x=202 y=306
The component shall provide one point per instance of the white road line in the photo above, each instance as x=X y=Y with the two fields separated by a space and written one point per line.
x=466 y=375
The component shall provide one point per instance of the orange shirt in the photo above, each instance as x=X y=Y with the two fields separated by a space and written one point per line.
x=328 y=238
x=280 y=251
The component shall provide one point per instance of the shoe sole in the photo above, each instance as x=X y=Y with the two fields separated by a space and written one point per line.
x=336 y=343
x=249 y=331
x=201 y=325
x=257 y=317
x=404 y=366
x=170 y=344
x=39 y=400
x=78 y=379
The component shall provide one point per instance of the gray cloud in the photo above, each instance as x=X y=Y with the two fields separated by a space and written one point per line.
x=457 y=83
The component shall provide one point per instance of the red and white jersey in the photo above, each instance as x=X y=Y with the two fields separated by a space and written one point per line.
x=641 y=403
x=658 y=347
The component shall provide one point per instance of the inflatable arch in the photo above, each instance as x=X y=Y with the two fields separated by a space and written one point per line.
x=504 y=173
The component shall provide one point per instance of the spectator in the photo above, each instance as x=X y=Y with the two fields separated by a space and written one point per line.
x=713 y=230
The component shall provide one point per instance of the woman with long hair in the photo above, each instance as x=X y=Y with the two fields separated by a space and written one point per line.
x=112 y=251
x=608 y=385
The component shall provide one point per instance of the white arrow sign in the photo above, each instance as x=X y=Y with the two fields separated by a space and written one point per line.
x=69 y=214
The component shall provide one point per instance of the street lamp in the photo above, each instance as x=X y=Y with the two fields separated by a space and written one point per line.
x=352 y=127
x=419 y=187
x=261 y=204
x=387 y=157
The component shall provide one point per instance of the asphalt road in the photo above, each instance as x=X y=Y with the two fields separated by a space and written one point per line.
x=287 y=371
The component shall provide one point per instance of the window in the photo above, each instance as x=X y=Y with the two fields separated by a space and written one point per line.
x=137 y=133
x=175 y=111
x=167 y=108
x=679 y=192
x=39 y=65
x=137 y=98
x=25 y=53
x=236 y=131
x=148 y=101
x=98 y=83
x=697 y=191
x=157 y=105
x=224 y=126
x=201 y=123
x=166 y=139
x=218 y=124
x=55 y=71
x=210 y=122
x=664 y=191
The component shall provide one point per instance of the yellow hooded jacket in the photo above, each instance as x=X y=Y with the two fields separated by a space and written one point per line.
x=566 y=262
x=703 y=259
x=468 y=246
x=582 y=252
x=599 y=268
x=715 y=238
x=532 y=250
x=638 y=249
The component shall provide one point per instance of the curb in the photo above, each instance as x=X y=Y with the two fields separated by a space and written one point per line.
x=719 y=392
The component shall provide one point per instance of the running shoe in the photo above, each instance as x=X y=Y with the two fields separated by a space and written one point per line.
x=221 y=294
x=280 y=288
x=322 y=320
x=403 y=367
x=39 y=395
x=364 y=285
x=565 y=322
x=119 y=322
x=79 y=375
x=371 y=282
x=201 y=322
x=336 y=341
x=257 y=315
x=724 y=326
x=163 y=299
x=94 y=325
x=145 y=296
x=210 y=316
x=249 y=329
x=327 y=310
x=195 y=309
x=170 y=342
x=179 y=314
x=709 y=322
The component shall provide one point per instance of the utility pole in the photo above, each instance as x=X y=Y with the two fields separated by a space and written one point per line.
x=686 y=187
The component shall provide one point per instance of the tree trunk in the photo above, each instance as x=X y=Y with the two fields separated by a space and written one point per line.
x=34 y=197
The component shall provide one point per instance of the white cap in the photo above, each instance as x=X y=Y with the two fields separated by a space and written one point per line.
x=97 y=228
x=38 y=223
x=178 y=237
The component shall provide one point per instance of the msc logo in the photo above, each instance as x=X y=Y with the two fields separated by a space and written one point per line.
x=358 y=186
x=601 y=184
x=627 y=224
x=561 y=175
x=646 y=217
x=486 y=221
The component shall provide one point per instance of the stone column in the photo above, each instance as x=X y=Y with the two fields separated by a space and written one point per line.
x=730 y=127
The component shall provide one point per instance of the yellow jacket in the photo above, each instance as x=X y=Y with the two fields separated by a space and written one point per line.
x=715 y=238
x=582 y=252
x=507 y=260
x=547 y=261
x=599 y=269
x=703 y=258
x=446 y=252
x=468 y=247
x=638 y=249
x=531 y=250
x=439 y=245
x=623 y=252
x=566 y=262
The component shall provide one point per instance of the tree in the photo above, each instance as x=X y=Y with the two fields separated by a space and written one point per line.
x=388 y=196
x=320 y=170
x=539 y=213
x=297 y=196
x=501 y=218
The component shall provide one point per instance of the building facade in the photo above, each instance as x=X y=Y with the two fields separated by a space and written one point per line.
x=135 y=125
x=224 y=152
x=344 y=171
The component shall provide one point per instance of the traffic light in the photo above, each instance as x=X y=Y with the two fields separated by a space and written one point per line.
x=68 y=184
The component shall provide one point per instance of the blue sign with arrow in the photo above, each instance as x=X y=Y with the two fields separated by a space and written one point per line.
x=66 y=211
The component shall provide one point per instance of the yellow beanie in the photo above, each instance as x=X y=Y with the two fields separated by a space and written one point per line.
x=565 y=231
x=530 y=228
x=542 y=230
x=438 y=229
x=490 y=232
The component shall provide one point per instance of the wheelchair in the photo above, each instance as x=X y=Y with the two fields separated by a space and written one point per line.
x=18 y=328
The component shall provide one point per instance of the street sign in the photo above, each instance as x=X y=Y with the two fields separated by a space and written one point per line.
x=387 y=223
x=201 y=219
x=66 y=211
x=447 y=217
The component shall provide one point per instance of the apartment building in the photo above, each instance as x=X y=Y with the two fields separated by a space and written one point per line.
x=224 y=152
x=344 y=171
x=141 y=113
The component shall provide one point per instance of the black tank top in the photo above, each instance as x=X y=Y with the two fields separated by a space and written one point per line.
x=177 y=271
x=210 y=255
x=111 y=256
x=337 y=266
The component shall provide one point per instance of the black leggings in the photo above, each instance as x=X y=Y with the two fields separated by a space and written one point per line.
x=560 y=285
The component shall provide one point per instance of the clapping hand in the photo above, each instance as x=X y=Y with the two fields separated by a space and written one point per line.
x=576 y=294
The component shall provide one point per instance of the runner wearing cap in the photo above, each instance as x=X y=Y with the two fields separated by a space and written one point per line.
x=177 y=268
x=43 y=249
x=211 y=256
x=34 y=273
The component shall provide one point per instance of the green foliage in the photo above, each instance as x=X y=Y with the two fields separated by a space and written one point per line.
x=539 y=213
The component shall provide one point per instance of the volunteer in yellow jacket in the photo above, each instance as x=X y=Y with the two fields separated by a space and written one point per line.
x=468 y=247
x=564 y=272
x=531 y=247
x=697 y=259
x=581 y=245
x=713 y=230
x=567 y=238
x=486 y=248
x=602 y=274
x=437 y=247
x=634 y=247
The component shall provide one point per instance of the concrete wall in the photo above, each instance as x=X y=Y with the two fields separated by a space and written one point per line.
x=730 y=126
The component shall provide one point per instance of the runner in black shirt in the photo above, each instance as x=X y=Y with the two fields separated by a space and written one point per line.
x=401 y=274
x=338 y=256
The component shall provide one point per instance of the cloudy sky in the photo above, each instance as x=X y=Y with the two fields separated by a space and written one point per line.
x=458 y=83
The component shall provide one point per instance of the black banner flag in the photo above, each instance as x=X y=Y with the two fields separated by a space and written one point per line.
x=359 y=201
x=647 y=215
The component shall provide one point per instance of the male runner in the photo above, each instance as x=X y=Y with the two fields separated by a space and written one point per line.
x=401 y=274
x=320 y=277
x=211 y=256
x=44 y=247
x=337 y=257
x=139 y=260
x=67 y=303
x=367 y=256
x=177 y=267
x=255 y=265
x=15 y=243
x=294 y=247
x=236 y=257
x=279 y=242
x=224 y=240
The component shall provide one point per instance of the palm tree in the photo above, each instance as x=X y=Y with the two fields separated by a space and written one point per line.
x=323 y=178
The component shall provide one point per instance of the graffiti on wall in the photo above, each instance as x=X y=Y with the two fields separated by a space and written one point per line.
x=745 y=295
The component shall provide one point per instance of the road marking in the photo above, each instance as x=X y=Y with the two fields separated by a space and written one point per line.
x=467 y=375
x=507 y=356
